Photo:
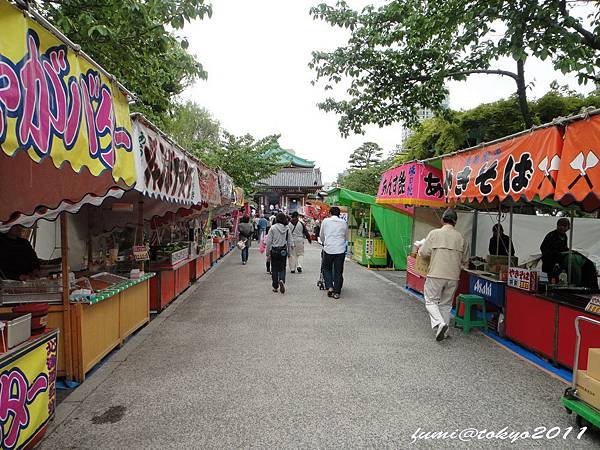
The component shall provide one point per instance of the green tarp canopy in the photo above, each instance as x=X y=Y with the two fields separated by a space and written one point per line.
x=395 y=227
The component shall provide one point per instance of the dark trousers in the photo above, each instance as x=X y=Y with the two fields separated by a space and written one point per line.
x=333 y=269
x=245 y=253
x=277 y=268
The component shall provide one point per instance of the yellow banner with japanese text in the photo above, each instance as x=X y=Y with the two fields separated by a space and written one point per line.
x=56 y=104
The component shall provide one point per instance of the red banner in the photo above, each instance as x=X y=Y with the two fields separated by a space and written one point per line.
x=522 y=167
x=411 y=184
x=579 y=174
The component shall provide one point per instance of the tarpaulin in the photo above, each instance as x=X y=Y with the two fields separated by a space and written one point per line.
x=519 y=168
x=579 y=175
x=412 y=184
x=164 y=170
x=56 y=105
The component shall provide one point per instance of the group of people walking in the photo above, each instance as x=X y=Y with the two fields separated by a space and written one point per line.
x=283 y=239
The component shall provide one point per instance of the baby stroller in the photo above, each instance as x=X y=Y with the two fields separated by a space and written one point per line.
x=321 y=281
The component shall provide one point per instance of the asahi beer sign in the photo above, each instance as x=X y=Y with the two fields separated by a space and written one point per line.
x=488 y=289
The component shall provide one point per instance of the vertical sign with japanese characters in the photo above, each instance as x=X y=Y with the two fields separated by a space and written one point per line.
x=523 y=167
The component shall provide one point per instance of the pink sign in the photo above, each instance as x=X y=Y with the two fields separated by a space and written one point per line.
x=412 y=184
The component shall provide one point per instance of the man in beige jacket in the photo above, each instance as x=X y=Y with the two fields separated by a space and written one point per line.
x=449 y=253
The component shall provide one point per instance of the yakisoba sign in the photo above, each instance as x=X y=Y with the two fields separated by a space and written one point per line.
x=56 y=104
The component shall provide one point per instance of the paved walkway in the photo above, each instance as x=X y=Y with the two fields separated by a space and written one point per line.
x=233 y=365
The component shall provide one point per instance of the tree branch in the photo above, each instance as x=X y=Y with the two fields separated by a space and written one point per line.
x=587 y=37
x=506 y=73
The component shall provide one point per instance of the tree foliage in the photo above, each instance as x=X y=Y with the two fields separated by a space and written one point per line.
x=488 y=122
x=132 y=41
x=193 y=127
x=364 y=180
x=399 y=56
x=366 y=155
x=244 y=158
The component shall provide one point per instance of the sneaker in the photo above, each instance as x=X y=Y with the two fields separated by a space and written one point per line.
x=293 y=271
x=336 y=296
x=329 y=293
x=281 y=287
x=243 y=263
x=299 y=269
x=275 y=290
x=441 y=332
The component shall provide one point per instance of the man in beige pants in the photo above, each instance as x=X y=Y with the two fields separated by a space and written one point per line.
x=449 y=253
x=298 y=232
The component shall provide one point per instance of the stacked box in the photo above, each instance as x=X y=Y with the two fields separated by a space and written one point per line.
x=588 y=381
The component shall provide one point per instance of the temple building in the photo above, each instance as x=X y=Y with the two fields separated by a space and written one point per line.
x=289 y=188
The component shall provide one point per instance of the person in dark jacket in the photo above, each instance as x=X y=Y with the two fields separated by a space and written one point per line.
x=278 y=246
x=245 y=231
x=504 y=241
x=18 y=260
x=554 y=244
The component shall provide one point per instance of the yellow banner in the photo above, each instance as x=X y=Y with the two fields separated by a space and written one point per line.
x=27 y=391
x=56 y=104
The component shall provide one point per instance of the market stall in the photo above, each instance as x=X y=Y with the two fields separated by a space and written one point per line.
x=375 y=230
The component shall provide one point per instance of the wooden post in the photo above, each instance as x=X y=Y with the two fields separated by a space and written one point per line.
x=64 y=253
x=141 y=226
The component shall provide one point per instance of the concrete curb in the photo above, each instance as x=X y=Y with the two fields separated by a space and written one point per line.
x=74 y=400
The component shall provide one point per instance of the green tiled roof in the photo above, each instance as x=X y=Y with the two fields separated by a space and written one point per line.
x=289 y=159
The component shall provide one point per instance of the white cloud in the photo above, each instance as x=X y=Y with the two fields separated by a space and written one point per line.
x=257 y=54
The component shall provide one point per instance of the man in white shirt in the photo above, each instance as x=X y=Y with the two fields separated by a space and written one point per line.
x=333 y=234
x=449 y=253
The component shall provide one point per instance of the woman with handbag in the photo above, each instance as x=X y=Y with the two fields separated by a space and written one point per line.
x=279 y=245
x=245 y=230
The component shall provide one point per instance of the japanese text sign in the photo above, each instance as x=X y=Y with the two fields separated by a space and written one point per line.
x=523 y=279
x=522 y=167
x=55 y=104
x=579 y=175
x=209 y=185
x=594 y=305
x=163 y=170
x=28 y=392
x=412 y=184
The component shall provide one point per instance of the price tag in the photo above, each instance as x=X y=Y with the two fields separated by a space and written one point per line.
x=594 y=305
x=140 y=253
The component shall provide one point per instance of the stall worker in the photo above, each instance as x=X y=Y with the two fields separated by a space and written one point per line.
x=449 y=253
x=504 y=242
x=555 y=258
x=18 y=260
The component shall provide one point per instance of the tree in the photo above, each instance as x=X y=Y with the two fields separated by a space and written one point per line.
x=244 y=158
x=193 y=127
x=364 y=180
x=130 y=39
x=400 y=56
x=365 y=156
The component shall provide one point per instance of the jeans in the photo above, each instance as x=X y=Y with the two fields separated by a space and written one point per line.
x=245 y=253
x=277 y=268
x=333 y=269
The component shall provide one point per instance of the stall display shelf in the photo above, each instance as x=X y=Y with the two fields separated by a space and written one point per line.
x=31 y=291
x=111 y=291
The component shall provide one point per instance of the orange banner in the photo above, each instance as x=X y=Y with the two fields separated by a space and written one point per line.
x=579 y=174
x=522 y=167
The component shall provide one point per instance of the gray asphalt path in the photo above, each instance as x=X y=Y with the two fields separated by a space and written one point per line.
x=235 y=365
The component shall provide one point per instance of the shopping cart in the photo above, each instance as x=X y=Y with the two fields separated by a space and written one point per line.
x=585 y=414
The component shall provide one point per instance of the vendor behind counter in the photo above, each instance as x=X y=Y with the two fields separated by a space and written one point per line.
x=18 y=259
x=555 y=258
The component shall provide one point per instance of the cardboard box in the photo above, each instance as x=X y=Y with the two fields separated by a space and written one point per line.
x=593 y=365
x=588 y=389
x=422 y=265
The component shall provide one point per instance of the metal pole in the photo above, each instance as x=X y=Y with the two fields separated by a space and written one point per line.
x=570 y=248
x=510 y=233
x=369 y=236
x=141 y=226
x=64 y=253
x=498 y=229
x=474 y=233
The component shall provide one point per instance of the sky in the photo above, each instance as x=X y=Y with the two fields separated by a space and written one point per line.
x=257 y=54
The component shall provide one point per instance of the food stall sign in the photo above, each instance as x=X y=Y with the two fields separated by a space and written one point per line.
x=492 y=291
x=523 y=167
x=594 y=305
x=579 y=175
x=28 y=388
x=164 y=170
x=523 y=279
x=55 y=104
x=368 y=248
x=411 y=184
x=140 y=253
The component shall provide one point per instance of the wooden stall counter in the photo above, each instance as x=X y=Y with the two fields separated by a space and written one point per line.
x=545 y=324
x=170 y=281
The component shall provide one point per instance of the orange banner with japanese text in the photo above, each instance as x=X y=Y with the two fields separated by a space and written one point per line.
x=56 y=104
x=520 y=168
x=579 y=175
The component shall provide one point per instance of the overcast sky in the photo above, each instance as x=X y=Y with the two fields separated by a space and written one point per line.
x=257 y=54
